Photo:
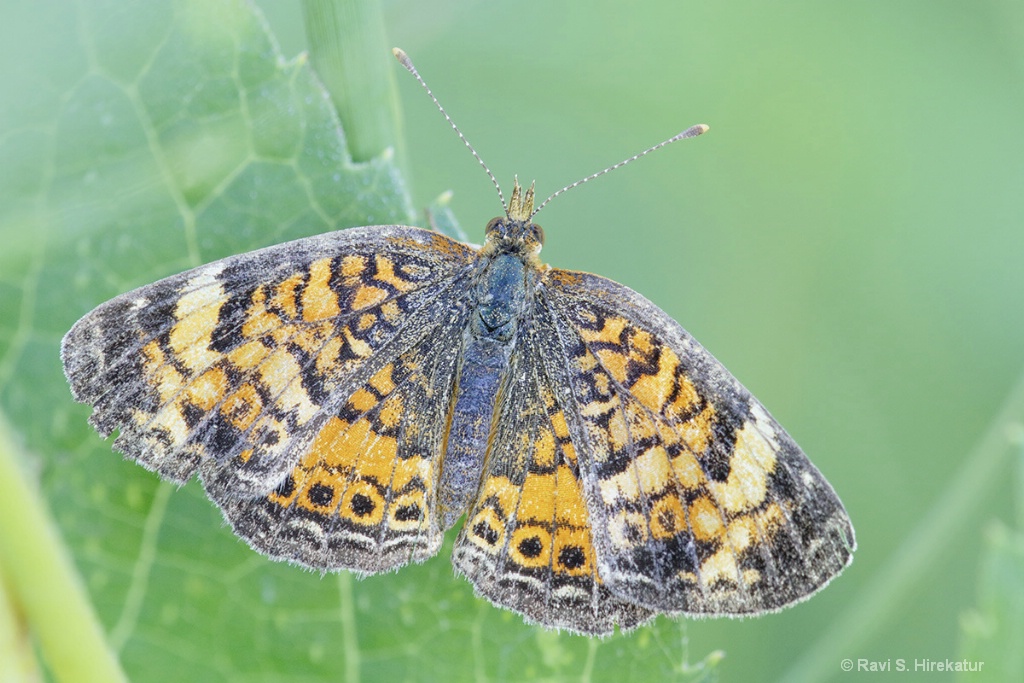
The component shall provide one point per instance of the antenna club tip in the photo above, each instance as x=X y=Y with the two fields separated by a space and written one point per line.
x=400 y=55
x=694 y=131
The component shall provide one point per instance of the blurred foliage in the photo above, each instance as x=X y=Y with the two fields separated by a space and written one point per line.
x=847 y=239
x=993 y=631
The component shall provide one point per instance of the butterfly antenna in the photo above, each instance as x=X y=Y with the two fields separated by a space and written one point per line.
x=691 y=132
x=407 y=63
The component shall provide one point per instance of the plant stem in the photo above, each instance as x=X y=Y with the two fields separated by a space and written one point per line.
x=350 y=53
x=44 y=583
x=17 y=657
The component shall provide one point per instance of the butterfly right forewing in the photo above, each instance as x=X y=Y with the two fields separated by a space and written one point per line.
x=699 y=501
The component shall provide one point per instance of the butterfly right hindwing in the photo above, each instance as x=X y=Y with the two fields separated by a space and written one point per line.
x=527 y=541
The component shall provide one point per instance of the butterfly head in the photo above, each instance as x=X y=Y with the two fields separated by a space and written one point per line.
x=515 y=232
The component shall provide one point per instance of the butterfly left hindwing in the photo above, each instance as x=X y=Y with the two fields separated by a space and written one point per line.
x=362 y=495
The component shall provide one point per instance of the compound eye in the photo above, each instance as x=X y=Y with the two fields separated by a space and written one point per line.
x=493 y=225
x=538 y=233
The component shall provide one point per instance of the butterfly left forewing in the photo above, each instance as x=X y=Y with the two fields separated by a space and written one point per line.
x=699 y=501
x=234 y=366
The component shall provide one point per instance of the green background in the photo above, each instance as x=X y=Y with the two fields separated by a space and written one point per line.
x=847 y=239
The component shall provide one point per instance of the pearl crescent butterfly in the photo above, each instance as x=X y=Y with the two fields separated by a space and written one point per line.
x=346 y=398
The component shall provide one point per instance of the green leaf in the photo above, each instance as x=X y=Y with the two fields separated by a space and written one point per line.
x=139 y=139
x=440 y=217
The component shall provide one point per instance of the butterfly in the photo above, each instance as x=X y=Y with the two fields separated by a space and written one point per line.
x=346 y=398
